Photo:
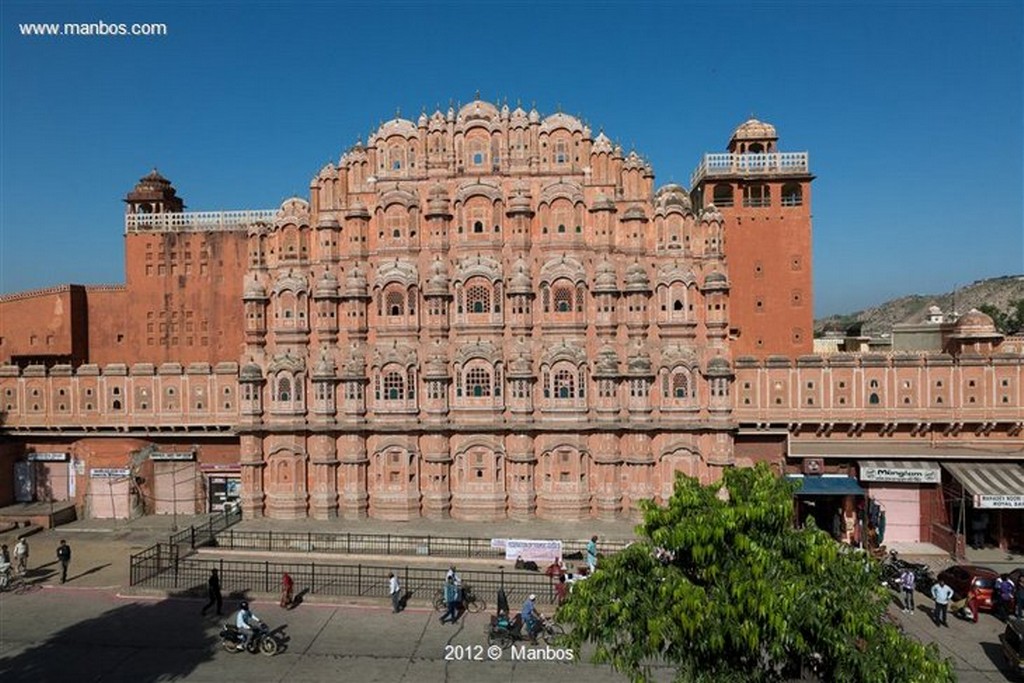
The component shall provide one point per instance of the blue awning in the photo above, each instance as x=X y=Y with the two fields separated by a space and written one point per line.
x=826 y=486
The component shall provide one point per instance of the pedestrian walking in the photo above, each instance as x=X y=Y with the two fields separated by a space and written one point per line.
x=213 y=591
x=1019 y=608
x=287 y=586
x=942 y=594
x=64 y=556
x=451 y=599
x=395 y=591
x=1005 y=590
x=21 y=556
x=972 y=603
x=907 y=583
x=592 y=554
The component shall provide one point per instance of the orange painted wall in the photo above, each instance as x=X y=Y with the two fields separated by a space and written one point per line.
x=44 y=323
x=184 y=294
x=108 y=319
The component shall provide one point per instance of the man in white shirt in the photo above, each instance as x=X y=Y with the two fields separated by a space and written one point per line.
x=942 y=594
x=395 y=591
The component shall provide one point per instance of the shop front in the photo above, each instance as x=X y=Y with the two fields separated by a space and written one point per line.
x=987 y=503
x=835 y=503
x=44 y=477
x=897 y=488
x=109 y=493
x=223 y=487
x=176 y=486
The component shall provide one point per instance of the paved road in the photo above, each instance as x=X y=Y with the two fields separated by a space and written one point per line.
x=84 y=634
x=87 y=630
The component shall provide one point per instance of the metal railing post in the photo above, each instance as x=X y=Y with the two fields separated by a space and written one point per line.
x=312 y=577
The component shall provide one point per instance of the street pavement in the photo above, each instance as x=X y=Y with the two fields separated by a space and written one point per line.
x=94 y=629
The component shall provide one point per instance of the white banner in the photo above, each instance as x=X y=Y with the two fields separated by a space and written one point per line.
x=109 y=472
x=1001 y=502
x=48 y=457
x=537 y=551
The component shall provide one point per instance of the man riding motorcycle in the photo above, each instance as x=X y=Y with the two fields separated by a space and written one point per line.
x=246 y=623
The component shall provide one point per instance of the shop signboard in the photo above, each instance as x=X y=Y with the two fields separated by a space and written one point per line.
x=537 y=551
x=999 y=502
x=900 y=475
x=109 y=472
x=176 y=456
x=48 y=457
x=224 y=492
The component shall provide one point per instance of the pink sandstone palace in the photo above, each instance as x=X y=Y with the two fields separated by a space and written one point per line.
x=488 y=313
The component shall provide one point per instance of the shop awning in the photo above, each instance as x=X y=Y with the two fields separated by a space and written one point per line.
x=992 y=484
x=826 y=485
x=901 y=471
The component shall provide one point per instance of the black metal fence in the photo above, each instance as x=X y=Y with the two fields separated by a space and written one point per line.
x=383 y=544
x=162 y=557
x=161 y=567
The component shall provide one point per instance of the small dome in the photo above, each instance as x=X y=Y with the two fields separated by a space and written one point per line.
x=251 y=373
x=355 y=283
x=560 y=120
x=752 y=129
x=534 y=116
x=718 y=366
x=521 y=366
x=357 y=209
x=436 y=368
x=521 y=203
x=520 y=282
x=602 y=145
x=478 y=110
x=607 y=362
x=519 y=116
x=254 y=291
x=326 y=221
x=672 y=195
x=422 y=120
x=634 y=213
x=605 y=279
x=602 y=203
x=974 y=323
x=324 y=367
x=326 y=286
x=397 y=126
x=716 y=280
x=636 y=279
x=437 y=283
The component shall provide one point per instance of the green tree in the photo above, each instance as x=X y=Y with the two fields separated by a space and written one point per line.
x=1007 y=322
x=744 y=596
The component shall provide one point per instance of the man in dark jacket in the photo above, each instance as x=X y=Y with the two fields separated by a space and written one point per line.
x=64 y=555
x=213 y=590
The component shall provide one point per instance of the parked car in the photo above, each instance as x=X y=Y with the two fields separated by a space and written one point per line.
x=961 y=577
x=1012 y=640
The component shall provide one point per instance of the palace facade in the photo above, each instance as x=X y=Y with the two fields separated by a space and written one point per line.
x=484 y=313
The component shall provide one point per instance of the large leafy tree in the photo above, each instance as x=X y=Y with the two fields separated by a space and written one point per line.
x=722 y=587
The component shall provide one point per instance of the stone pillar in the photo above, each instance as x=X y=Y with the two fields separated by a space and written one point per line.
x=435 y=476
x=606 y=480
x=522 y=487
x=323 y=462
x=252 y=464
x=352 y=467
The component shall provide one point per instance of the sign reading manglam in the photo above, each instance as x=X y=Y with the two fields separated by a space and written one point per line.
x=900 y=475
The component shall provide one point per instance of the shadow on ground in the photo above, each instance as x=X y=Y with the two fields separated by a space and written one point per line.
x=156 y=641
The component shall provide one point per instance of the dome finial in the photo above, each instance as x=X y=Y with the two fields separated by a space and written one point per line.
x=478 y=93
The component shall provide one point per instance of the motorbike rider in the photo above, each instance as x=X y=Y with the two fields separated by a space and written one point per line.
x=246 y=623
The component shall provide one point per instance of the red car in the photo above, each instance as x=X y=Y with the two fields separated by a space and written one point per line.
x=962 y=576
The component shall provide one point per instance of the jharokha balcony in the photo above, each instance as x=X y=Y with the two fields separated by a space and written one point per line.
x=726 y=163
x=196 y=221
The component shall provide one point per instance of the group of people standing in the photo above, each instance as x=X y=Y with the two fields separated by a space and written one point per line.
x=18 y=563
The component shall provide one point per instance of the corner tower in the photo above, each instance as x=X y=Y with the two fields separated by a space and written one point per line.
x=764 y=196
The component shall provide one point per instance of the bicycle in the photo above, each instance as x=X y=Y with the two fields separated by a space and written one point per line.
x=16 y=583
x=470 y=601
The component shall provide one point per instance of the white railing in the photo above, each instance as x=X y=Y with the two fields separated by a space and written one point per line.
x=196 y=221
x=727 y=163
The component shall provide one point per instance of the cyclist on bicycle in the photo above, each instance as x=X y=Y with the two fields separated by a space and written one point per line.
x=532 y=617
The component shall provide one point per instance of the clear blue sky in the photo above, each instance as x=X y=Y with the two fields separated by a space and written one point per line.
x=911 y=112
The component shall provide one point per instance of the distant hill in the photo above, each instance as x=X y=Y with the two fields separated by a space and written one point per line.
x=998 y=292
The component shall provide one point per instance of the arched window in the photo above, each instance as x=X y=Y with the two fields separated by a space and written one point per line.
x=545 y=294
x=873 y=399
x=723 y=196
x=394 y=303
x=680 y=384
x=563 y=298
x=478 y=226
x=394 y=387
x=565 y=384
x=756 y=195
x=792 y=194
x=284 y=389
x=478 y=382
x=478 y=299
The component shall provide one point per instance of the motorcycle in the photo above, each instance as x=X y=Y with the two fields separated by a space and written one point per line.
x=893 y=567
x=262 y=640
